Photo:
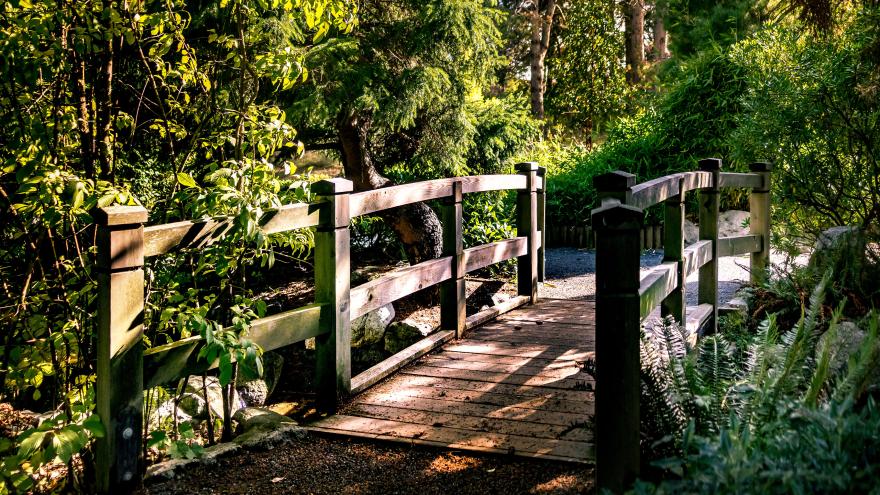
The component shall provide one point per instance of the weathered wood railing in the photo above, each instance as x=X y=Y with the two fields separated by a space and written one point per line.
x=125 y=369
x=624 y=298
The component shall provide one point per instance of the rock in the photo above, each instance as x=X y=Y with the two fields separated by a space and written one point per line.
x=255 y=390
x=402 y=334
x=499 y=298
x=846 y=341
x=249 y=418
x=264 y=437
x=310 y=344
x=733 y=223
x=839 y=247
x=370 y=328
x=691 y=232
x=165 y=411
x=193 y=401
x=169 y=469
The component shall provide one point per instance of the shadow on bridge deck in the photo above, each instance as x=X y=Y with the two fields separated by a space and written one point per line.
x=515 y=385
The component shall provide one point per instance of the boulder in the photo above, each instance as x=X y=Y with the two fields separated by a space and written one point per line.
x=839 y=247
x=733 y=223
x=846 y=340
x=194 y=401
x=402 y=334
x=165 y=411
x=255 y=390
x=265 y=437
x=499 y=298
x=169 y=469
x=370 y=328
x=249 y=418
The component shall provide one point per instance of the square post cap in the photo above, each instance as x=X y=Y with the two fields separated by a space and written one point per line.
x=331 y=187
x=614 y=181
x=527 y=167
x=617 y=216
x=120 y=215
x=710 y=164
x=761 y=167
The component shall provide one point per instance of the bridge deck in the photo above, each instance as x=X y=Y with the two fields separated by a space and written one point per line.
x=514 y=385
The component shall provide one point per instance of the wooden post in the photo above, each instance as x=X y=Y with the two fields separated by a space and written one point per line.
x=615 y=185
x=452 y=292
x=542 y=224
x=673 y=250
x=120 y=389
x=332 y=287
x=708 y=285
x=618 y=330
x=759 y=222
x=527 y=225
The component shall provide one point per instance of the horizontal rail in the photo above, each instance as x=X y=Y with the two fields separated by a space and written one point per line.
x=743 y=244
x=485 y=315
x=164 y=364
x=397 y=284
x=489 y=254
x=656 y=285
x=658 y=190
x=161 y=239
x=693 y=181
x=697 y=316
x=367 y=202
x=696 y=255
x=376 y=373
x=731 y=179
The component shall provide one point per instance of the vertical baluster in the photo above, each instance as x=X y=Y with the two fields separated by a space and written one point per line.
x=527 y=225
x=673 y=250
x=452 y=292
x=709 y=203
x=759 y=222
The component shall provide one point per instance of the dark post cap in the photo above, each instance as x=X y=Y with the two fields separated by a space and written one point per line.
x=710 y=164
x=527 y=167
x=761 y=167
x=617 y=216
x=614 y=181
x=330 y=187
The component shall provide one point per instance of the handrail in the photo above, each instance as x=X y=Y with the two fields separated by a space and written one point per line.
x=624 y=297
x=125 y=369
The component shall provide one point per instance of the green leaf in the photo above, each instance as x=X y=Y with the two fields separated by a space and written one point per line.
x=186 y=180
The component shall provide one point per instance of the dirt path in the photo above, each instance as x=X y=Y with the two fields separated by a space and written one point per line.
x=320 y=465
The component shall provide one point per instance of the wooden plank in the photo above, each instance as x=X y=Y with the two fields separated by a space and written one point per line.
x=455 y=438
x=463 y=408
x=572 y=312
x=495 y=252
x=492 y=377
x=167 y=363
x=195 y=234
x=582 y=342
x=739 y=245
x=655 y=191
x=574 y=433
x=572 y=370
x=483 y=183
x=656 y=285
x=692 y=181
x=399 y=283
x=525 y=391
x=385 y=368
x=697 y=316
x=478 y=319
x=366 y=202
x=696 y=255
x=544 y=351
x=292 y=217
x=544 y=402
x=731 y=179
x=551 y=330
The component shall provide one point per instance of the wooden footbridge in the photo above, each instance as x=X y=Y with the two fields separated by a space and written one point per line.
x=510 y=379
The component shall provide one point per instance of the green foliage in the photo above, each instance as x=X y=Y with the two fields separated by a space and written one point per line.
x=588 y=75
x=778 y=421
x=695 y=25
x=812 y=108
x=183 y=447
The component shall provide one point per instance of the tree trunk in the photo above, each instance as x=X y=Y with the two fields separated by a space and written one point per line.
x=634 y=15
x=542 y=24
x=416 y=225
x=661 y=46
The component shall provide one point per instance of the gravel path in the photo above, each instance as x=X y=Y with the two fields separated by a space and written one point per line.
x=571 y=274
x=319 y=465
